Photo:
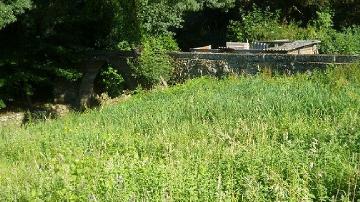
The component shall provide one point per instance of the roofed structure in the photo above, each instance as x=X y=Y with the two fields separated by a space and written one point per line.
x=283 y=46
x=296 y=47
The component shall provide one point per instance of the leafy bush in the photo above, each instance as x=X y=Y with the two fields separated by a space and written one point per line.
x=262 y=25
x=345 y=42
x=68 y=74
x=154 y=64
x=111 y=82
x=22 y=85
x=19 y=83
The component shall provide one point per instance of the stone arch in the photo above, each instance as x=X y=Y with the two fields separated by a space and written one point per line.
x=91 y=68
x=86 y=88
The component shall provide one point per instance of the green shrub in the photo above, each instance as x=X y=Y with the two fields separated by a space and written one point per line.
x=154 y=64
x=345 y=42
x=111 y=82
x=19 y=83
x=262 y=25
x=68 y=74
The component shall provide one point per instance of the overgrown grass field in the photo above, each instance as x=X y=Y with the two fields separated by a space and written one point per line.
x=259 y=138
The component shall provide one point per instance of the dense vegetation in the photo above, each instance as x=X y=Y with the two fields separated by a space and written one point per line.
x=250 y=138
x=260 y=138
x=41 y=41
x=266 y=25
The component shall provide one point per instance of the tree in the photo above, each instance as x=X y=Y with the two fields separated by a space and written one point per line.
x=9 y=9
x=159 y=17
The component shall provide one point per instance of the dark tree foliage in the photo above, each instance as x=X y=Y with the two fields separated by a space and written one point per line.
x=45 y=40
x=206 y=27
x=347 y=12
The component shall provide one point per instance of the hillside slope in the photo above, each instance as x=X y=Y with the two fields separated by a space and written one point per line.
x=251 y=138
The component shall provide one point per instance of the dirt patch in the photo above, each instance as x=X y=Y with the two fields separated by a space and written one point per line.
x=41 y=112
x=12 y=118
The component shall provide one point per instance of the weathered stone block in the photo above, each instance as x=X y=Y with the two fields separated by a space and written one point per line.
x=315 y=58
x=347 y=58
x=279 y=58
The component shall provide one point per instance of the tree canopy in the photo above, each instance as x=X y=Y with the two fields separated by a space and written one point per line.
x=10 y=9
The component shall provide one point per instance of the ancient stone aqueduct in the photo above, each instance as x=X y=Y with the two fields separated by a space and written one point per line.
x=190 y=65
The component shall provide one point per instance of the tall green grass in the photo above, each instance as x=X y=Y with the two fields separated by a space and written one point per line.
x=261 y=138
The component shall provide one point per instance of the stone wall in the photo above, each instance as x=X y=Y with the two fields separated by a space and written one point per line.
x=190 y=65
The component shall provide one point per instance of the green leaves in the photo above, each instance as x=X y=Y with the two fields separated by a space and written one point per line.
x=10 y=9
x=112 y=82
x=155 y=65
x=157 y=18
x=259 y=24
